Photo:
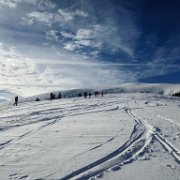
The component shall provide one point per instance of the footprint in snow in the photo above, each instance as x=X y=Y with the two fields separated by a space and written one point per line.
x=115 y=168
x=100 y=175
x=170 y=166
x=13 y=174
x=23 y=177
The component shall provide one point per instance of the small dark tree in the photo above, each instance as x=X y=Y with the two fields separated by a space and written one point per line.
x=59 y=96
x=37 y=99
x=176 y=94
x=96 y=93
x=52 y=96
x=85 y=94
x=80 y=95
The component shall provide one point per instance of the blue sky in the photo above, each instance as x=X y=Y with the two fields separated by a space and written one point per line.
x=60 y=44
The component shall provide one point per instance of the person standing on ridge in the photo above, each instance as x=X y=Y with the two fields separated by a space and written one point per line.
x=16 y=101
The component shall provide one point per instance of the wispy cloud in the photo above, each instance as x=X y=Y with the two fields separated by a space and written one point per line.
x=43 y=17
x=71 y=46
x=8 y=3
x=40 y=4
x=67 y=44
x=49 y=18
x=89 y=33
x=31 y=76
x=165 y=59
x=70 y=15
x=76 y=38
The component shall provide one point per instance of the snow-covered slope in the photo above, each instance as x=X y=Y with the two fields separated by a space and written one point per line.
x=118 y=136
x=163 y=89
x=7 y=97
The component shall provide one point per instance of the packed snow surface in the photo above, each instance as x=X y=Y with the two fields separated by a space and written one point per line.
x=117 y=136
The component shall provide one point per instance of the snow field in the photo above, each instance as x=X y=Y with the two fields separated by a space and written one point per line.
x=111 y=137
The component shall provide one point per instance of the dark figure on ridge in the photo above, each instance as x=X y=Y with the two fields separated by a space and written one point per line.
x=16 y=101
x=102 y=93
x=89 y=95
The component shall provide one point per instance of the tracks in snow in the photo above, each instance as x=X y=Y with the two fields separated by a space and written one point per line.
x=159 y=137
x=122 y=155
x=141 y=137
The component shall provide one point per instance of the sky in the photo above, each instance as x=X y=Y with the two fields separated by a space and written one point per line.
x=48 y=45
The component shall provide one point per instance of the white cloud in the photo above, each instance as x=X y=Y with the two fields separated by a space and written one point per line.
x=40 y=4
x=84 y=34
x=70 y=15
x=75 y=45
x=27 y=76
x=94 y=53
x=72 y=30
x=52 y=35
x=81 y=34
x=88 y=43
x=45 y=5
x=43 y=17
x=111 y=37
x=80 y=13
x=49 y=18
x=84 y=42
x=65 y=15
x=67 y=35
x=71 y=46
x=82 y=38
x=8 y=3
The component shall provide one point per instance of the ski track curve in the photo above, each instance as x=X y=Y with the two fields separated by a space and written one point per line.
x=159 y=137
x=127 y=152
x=140 y=138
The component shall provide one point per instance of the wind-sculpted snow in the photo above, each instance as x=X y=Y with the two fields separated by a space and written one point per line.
x=100 y=137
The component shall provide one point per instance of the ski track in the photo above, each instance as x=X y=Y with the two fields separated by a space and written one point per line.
x=168 y=119
x=135 y=136
x=33 y=118
x=162 y=140
x=160 y=116
x=98 y=146
x=128 y=152
x=3 y=145
x=42 y=115
x=125 y=154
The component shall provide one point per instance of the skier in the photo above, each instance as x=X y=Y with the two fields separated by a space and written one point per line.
x=16 y=101
x=89 y=95
x=102 y=93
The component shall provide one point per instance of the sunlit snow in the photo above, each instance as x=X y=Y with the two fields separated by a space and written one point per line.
x=117 y=136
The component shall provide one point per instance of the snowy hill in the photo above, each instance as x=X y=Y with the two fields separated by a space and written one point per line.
x=7 y=97
x=118 y=136
x=162 y=89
